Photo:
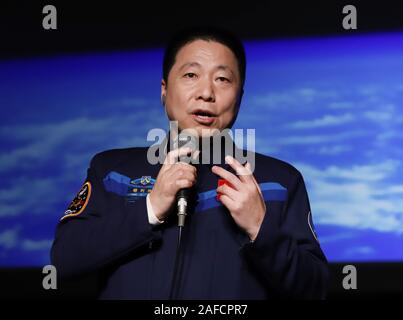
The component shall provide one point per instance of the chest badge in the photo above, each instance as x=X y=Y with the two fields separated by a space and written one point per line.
x=132 y=189
x=140 y=187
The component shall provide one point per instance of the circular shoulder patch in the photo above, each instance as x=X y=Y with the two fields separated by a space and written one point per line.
x=80 y=201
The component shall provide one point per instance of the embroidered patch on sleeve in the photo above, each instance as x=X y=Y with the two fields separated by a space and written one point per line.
x=80 y=201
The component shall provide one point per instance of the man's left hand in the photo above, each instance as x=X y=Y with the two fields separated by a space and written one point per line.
x=245 y=200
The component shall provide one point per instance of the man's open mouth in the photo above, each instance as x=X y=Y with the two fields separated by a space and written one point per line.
x=203 y=116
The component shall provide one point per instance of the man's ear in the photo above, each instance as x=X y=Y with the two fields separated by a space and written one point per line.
x=163 y=91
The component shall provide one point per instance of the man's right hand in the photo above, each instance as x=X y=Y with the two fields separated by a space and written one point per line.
x=172 y=177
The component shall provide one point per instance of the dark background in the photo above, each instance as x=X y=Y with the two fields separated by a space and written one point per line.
x=118 y=25
x=111 y=25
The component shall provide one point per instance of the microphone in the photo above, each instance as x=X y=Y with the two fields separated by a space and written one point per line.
x=184 y=195
x=183 y=198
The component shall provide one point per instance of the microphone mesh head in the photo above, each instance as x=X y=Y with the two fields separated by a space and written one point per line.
x=186 y=140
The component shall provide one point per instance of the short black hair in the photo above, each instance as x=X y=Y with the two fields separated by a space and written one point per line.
x=186 y=36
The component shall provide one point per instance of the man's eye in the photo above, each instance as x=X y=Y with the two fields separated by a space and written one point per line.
x=190 y=75
x=224 y=79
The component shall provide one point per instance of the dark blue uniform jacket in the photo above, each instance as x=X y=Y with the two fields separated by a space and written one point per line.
x=107 y=231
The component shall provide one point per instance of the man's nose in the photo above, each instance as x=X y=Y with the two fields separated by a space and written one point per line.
x=206 y=91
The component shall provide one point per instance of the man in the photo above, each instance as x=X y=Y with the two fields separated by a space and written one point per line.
x=249 y=238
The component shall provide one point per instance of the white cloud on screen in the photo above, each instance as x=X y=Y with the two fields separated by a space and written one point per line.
x=319 y=138
x=356 y=197
x=396 y=189
x=26 y=196
x=360 y=173
x=325 y=121
x=341 y=105
x=36 y=245
x=331 y=150
x=69 y=146
x=41 y=141
x=352 y=252
x=379 y=116
x=297 y=97
x=326 y=239
x=12 y=239
x=9 y=238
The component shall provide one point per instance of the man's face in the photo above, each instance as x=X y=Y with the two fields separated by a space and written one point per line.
x=204 y=85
